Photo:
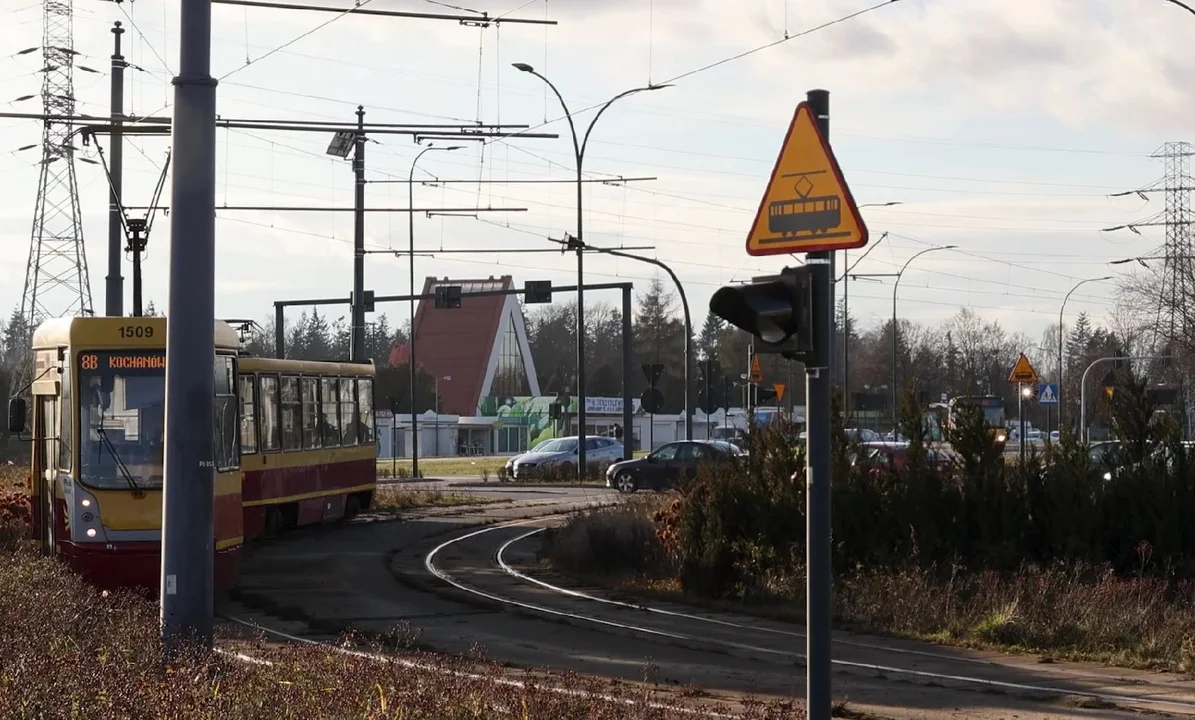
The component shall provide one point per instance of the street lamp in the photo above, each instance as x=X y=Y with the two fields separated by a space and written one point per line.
x=895 y=287
x=846 y=312
x=445 y=378
x=579 y=242
x=413 y=367
x=1068 y=296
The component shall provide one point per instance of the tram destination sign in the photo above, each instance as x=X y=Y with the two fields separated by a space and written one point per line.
x=807 y=206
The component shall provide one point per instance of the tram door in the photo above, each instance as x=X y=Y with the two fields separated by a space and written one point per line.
x=45 y=451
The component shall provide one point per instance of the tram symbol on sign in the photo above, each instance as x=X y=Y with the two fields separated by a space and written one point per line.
x=816 y=215
x=807 y=206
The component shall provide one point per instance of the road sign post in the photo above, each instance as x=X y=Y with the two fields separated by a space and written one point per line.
x=807 y=208
x=1023 y=376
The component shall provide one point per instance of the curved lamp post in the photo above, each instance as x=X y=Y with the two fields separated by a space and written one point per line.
x=579 y=242
x=896 y=285
x=1068 y=297
x=411 y=340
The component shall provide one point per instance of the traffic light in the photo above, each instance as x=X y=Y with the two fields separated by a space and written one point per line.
x=777 y=310
x=537 y=291
x=448 y=297
x=367 y=300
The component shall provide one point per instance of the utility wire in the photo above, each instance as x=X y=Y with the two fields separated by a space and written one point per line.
x=781 y=41
x=296 y=39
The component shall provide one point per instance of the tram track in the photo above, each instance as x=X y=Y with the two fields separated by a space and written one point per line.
x=463 y=578
x=479 y=563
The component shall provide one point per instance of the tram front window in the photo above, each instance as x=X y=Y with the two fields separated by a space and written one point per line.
x=122 y=400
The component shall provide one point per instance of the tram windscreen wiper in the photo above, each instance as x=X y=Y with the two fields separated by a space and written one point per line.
x=128 y=476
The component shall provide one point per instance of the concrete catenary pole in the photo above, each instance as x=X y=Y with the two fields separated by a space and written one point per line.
x=817 y=472
x=114 y=285
x=187 y=542
x=357 y=352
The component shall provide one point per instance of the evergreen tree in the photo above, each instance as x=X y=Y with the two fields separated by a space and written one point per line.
x=317 y=338
x=17 y=337
x=707 y=340
x=660 y=338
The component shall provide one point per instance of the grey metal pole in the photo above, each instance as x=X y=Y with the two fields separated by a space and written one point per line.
x=1083 y=434
x=818 y=382
x=114 y=287
x=579 y=155
x=895 y=327
x=357 y=343
x=412 y=366
x=684 y=301
x=895 y=286
x=582 y=463
x=846 y=339
x=628 y=429
x=188 y=548
x=1060 y=310
x=1021 y=417
x=279 y=331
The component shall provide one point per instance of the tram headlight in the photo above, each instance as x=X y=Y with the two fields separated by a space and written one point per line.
x=90 y=532
x=85 y=502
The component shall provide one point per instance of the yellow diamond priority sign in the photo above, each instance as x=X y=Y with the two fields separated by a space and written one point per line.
x=807 y=206
x=1022 y=372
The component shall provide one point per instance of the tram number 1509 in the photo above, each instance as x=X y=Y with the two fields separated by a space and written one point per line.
x=136 y=331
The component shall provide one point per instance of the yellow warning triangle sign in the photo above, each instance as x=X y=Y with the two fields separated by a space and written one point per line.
x=807 y=206
x=756 y=372
x=779 y=388
x=1022 y=372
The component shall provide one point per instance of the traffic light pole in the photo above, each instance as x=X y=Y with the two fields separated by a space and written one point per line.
x=628 y=429
x=818 y=380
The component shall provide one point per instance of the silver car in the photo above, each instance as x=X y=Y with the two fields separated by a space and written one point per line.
x=559 y=457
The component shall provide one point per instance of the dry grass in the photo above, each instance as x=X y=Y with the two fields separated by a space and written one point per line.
x=393 y=499
x=12 y=477
x=71 y=652
x=447 y=467
x=1074 y=612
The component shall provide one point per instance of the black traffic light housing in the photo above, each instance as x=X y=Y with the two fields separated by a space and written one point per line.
x=777 y=310
x=448 y=297
x=367 y=300
x=537 y=291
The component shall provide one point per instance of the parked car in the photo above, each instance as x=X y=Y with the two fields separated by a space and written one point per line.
x=510 y=462
x=877 y=456
x=559 y=456
x=671 y=463
x=731 y=434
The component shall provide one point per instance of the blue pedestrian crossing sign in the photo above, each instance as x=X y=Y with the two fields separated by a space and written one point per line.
x=1047 y=394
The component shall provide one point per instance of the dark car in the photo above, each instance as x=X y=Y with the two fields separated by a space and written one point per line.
x=884 y=455
x=668 y=465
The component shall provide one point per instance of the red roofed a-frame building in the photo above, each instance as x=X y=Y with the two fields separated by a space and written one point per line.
x=481 y=345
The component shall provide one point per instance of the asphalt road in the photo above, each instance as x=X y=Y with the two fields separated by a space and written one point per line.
x=458 y=584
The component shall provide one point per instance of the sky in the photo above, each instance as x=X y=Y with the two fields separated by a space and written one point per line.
x=1000 y=127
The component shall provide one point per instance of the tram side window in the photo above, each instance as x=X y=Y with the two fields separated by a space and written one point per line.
x=311 y=416
x=348 y=410
x=292 y=427
x=268 y=402
x=329 y=406
x=248 y=419
x=365 y=409
x=224 y=415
